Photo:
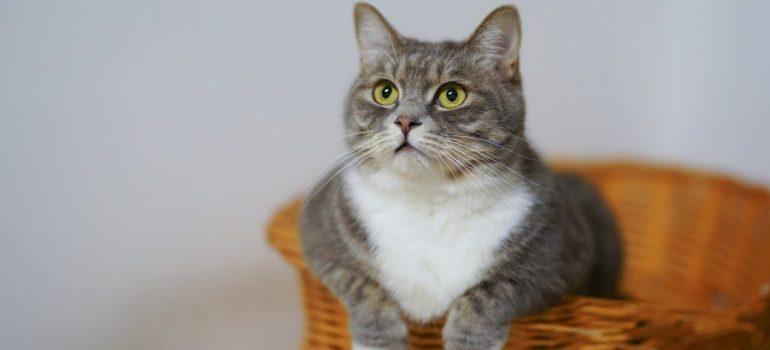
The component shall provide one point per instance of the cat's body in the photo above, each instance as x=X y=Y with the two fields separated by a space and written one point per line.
x=447 y=210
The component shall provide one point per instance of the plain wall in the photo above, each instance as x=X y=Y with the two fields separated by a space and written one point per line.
x=144 y=144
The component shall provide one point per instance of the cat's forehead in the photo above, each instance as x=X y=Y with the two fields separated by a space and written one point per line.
x=423 y=64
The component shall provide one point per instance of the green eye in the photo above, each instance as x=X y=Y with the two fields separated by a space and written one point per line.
x=385 y=93
x=451 y=95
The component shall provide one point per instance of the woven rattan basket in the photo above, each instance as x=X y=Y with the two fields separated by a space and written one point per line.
x=697 y=271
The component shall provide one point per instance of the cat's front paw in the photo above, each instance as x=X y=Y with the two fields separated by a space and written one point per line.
x=470 y=334
x=472 y=341
x=357 y=346
x=379 y=333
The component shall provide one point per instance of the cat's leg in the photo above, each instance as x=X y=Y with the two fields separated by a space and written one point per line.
x=376 y=323
x=480 y=318
x=375 y=320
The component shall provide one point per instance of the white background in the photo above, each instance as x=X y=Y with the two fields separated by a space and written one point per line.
x=144 y=144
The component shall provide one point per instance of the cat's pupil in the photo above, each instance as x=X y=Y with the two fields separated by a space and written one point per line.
x=386 y=91
x=451 y=94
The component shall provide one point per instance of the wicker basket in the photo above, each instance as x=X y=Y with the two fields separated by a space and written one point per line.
x=697 y=271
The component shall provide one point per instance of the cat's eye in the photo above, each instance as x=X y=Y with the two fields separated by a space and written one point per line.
x=451 y=95
x=385 y=93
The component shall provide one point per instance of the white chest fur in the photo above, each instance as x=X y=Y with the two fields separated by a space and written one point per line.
x=431 y=247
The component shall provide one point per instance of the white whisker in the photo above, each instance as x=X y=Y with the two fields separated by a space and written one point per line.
x=356 y=155
x=497 y=173
x=494 y=144
x=491 y=158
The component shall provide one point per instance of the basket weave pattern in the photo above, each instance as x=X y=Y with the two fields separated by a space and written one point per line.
x=697 y=271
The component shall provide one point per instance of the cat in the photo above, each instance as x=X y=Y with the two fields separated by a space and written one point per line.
x=442 y=208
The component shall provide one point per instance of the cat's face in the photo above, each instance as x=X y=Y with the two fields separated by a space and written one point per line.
x=443 y=108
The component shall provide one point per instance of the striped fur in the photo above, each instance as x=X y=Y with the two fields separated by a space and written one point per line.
x=469 y=223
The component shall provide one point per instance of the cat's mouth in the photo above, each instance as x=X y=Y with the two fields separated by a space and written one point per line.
x=405 y=146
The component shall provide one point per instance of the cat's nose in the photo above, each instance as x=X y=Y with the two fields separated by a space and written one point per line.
x=407 y=122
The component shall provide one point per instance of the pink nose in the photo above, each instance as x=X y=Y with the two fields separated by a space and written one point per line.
x=407 y=123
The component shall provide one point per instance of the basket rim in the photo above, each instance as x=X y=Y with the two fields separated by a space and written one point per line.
x=291 y=252
x=669 y=167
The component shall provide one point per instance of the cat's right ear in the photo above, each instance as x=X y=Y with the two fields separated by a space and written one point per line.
x=376 y=37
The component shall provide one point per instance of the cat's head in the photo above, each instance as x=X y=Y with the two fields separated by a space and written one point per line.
x=446 y=108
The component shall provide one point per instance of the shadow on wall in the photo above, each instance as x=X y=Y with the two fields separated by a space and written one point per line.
x=253 y=311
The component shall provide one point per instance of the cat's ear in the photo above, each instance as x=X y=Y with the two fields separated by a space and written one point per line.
x=376 y=37
x=498 y=40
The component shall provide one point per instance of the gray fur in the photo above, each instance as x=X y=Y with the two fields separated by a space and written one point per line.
x=567 y=244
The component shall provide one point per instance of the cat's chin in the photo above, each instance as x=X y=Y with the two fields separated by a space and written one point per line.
x=410 y=162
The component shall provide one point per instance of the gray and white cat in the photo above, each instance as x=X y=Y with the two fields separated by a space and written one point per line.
x=442 y=207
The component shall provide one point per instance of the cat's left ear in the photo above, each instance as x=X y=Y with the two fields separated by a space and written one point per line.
x=376 y=37
x=498 y=40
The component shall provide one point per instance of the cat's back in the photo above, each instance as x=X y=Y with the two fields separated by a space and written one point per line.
x=602 y=229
